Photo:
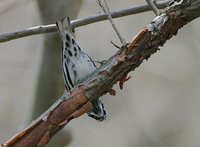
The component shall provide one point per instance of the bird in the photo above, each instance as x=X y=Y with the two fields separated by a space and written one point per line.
x=76 y=65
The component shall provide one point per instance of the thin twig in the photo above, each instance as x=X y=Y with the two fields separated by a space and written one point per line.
x=101 y=81
x=153 y=7
x=78 y=22
x=107 y=11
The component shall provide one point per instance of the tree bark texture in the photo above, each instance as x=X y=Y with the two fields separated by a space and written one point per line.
x=114 y=70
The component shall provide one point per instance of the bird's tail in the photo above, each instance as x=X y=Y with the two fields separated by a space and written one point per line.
x=63 y=25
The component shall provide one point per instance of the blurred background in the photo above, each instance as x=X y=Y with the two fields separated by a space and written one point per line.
x=159 y=106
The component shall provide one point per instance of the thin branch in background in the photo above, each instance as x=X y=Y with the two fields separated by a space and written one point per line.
x=153 y=7
x=107 y=11
x=79 y=22
x=101 y=81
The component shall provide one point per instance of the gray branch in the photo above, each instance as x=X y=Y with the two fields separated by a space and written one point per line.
x=114 y=70
x=78 y=22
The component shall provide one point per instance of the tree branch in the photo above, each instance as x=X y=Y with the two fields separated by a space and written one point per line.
x=115 y=69
x=153 y=6
x=78 y=22
x=106 y=10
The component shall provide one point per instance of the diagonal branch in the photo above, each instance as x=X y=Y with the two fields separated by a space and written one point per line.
x=115 y=69
x=153 y=7
x=107 y=11
x=78 y=22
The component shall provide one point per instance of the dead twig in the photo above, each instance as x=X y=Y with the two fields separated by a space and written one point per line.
x=78 y=22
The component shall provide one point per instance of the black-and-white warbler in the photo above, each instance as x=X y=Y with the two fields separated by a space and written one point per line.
x=77 y=65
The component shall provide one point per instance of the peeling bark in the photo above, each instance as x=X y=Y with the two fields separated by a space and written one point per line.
x=70 y=106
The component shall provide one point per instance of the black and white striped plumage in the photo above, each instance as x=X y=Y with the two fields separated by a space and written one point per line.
x=77 y=65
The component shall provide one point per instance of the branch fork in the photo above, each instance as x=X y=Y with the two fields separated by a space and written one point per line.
x=102 y=80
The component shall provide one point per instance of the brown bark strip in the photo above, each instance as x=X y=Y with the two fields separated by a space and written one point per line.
x=42 y=129
x=146 y=43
